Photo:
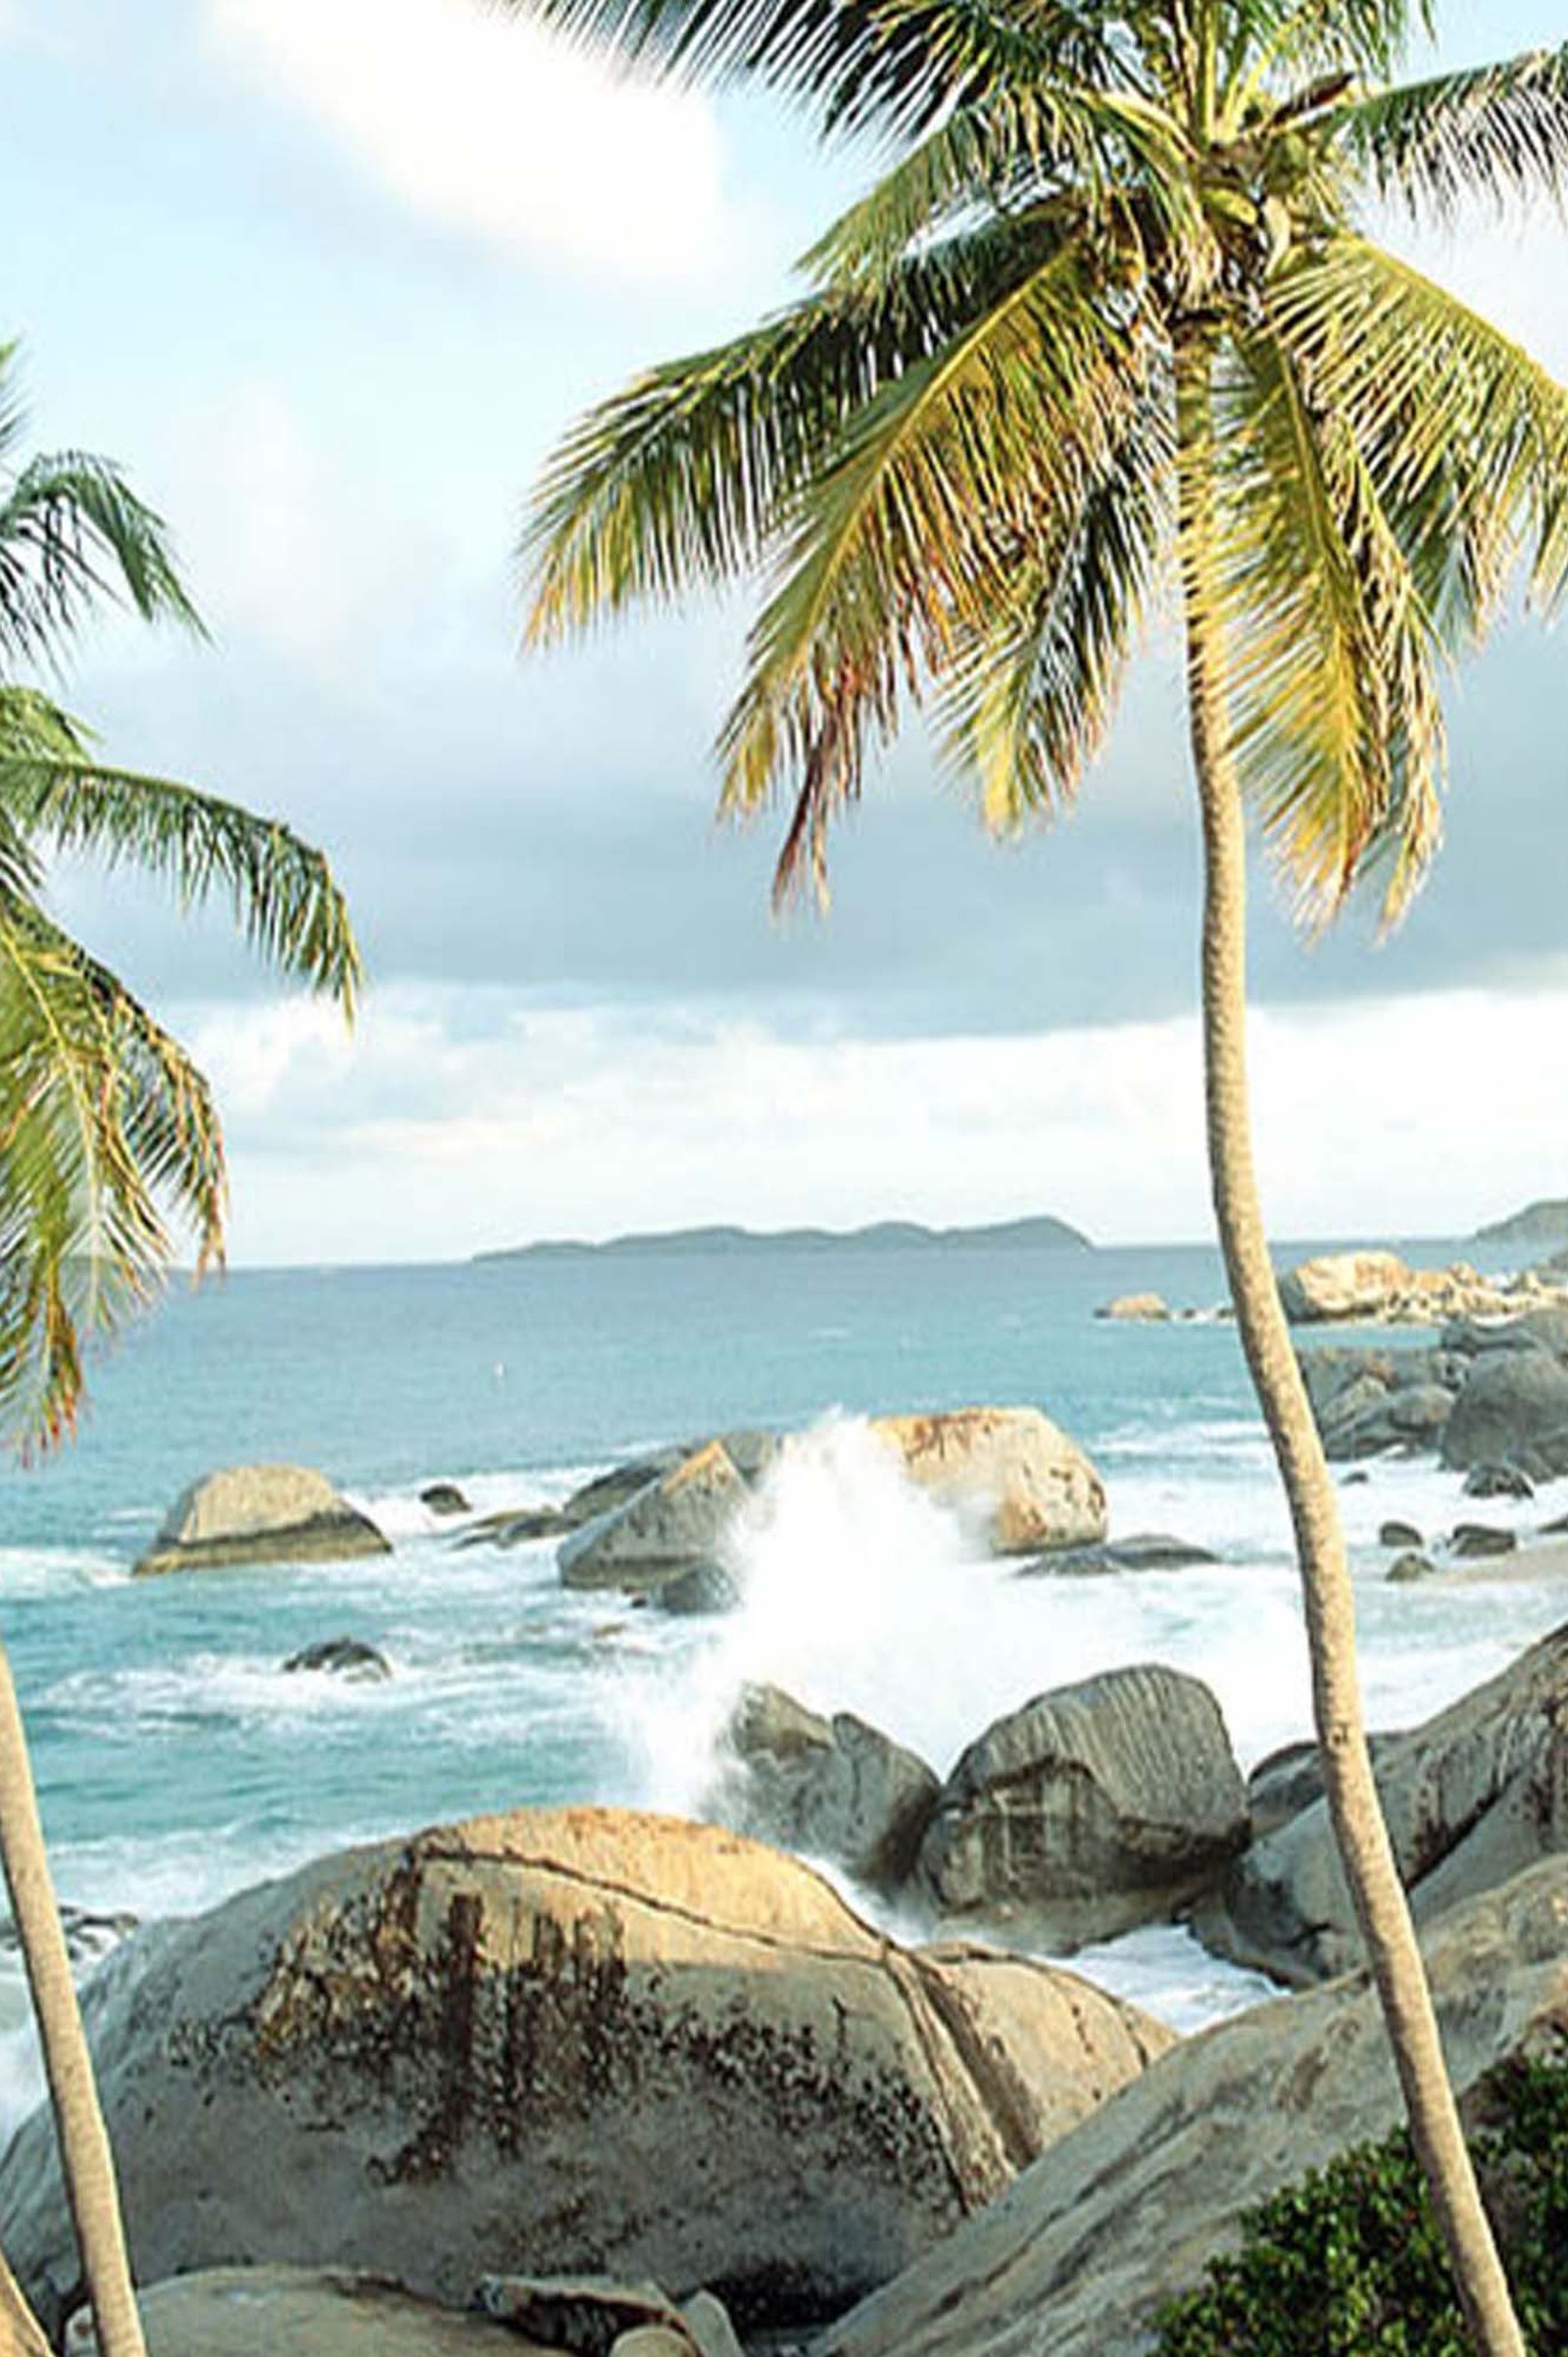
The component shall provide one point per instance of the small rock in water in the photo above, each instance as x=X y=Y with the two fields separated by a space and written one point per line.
x=1482 y=1539
x=1144 y=1550
x=341 y=1657
x=1410 y=1566
x=1497 y=1481
x=1137 y=1308
x=444 y=1497
x=1399 y=1534
x=1356 y=1480
x=514 y=1526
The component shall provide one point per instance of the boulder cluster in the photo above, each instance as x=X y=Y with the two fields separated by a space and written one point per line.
x=1482 y=1395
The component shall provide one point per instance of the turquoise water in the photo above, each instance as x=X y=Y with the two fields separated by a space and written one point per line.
x=176 y=1761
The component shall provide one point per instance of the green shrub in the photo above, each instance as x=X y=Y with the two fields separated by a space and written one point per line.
x=1347 y=2262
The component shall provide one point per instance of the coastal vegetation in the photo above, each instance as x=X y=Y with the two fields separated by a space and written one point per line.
x=110 y=1143
x=1350 y=2258
x=1112 y=323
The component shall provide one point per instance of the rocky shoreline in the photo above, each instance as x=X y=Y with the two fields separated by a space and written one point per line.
x=640 y=2088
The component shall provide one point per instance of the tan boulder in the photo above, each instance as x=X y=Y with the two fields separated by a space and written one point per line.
x=1119 y=2217
x=1137 y=1308
x=260 y=1514
x=628 y=2043
x=1031 y=1487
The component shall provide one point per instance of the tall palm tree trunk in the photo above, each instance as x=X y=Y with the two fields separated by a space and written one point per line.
x=86 y=2162
x=1365 y=1851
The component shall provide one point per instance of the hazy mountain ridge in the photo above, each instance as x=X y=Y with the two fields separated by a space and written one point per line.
x=1043 y=1232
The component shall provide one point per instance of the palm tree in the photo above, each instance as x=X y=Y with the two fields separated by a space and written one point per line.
x=1112 y=316
x=107 y=1129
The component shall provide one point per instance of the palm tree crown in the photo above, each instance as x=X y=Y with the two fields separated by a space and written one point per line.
x=955 y=460
x=107 y=1129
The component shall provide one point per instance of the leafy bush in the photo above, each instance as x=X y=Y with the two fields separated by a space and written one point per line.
x=1347 y=2262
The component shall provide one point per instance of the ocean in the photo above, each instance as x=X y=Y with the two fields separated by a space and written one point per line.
x=176 y=1762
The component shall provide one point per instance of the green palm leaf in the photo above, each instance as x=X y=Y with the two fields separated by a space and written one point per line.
x=54 y=793
x=1498 y=132
x=103 y=1120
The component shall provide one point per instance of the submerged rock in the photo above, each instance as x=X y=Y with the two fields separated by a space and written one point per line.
x=346 y=1657
x=1091 y=1810
x=1410 y=1566
x=1497 y=1481
x=1121 y=2216
x=834 y=1787
x=642 y=2046
x=1471 y=1796
x=261 y=1514
x=1472 y=1539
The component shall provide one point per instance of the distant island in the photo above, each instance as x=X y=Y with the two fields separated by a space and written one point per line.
x=1537 y=1224
x=888 y=1235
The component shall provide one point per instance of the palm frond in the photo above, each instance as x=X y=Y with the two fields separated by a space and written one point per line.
x=1274 y=41
x=1106 y=155
x=681 y=480
x=285 y=898
x=105 y=1127
x=1497 y=132
x=898 y=547
x=1337 y=724
x=1030 y=693
x=892 y=65
x=73 y=536
x=1464 y=434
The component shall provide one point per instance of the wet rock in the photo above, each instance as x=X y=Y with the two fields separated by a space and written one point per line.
x=1291 y=1779
x=346 y=1658
x=834 y=1789
x=89 y=1936
x=1497 y=1481
x=705 y=1588
x=1399 y=1534
x=1091 y=1810
x=514 y=1526
x=1142 y=1550
x=647 y=2047
x=249 y=1514
x=1472 y=1539
x=444 y=1497
x=1409 y=1567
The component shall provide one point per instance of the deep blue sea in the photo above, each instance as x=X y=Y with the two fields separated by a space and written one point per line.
x=176 y=1761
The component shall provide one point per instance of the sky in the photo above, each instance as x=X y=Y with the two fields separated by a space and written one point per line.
x=330 y=277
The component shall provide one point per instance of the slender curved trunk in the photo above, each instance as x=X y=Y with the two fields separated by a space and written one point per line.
x=1365 y=1851
x=86 y=2162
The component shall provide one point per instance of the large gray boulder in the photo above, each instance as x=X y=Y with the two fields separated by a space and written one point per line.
x=1086 y=2245
x=1474 y=1795
x=669 y=1527
x=834 y=1789
x=1514 y=1406
x=1027 y=1484
x=1091 y=1810
x=260 y=1514
x=616 y=2042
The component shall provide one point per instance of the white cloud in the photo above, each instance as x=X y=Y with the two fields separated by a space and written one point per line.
x=485 y=123
x=450 y=1123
